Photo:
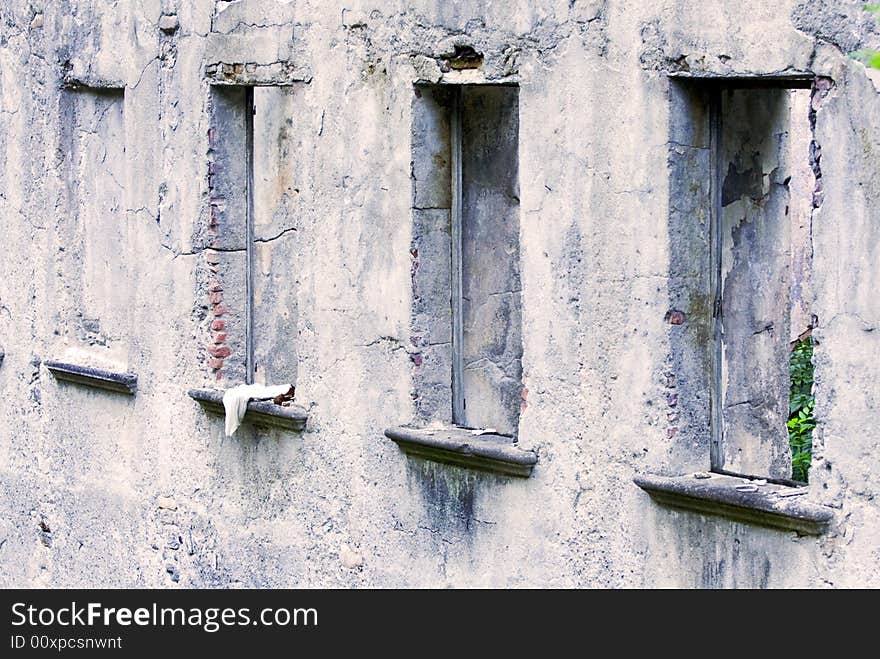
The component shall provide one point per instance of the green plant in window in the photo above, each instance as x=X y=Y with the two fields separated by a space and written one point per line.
x=869 y=57
x=800 y=409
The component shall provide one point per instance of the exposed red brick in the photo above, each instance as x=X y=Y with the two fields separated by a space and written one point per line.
x=220 y=337
x=219 y=310
x=215 y=298
x=219 y=351
x=675 y=317
x=212 y=257
x=216 y=364
x=218 y=324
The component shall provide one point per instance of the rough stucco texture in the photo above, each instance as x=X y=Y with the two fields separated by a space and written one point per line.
x=107 y=213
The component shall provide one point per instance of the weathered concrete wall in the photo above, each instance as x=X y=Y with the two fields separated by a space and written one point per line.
x=601 y=225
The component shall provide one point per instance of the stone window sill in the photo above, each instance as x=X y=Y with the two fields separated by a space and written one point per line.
x=261 y=413
x=775 y=506
x=460 y=447
x=125 y=383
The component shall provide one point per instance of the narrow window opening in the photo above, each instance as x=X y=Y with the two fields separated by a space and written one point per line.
x=761 y=251
x=275 y=253
x=802 y=401
x=251 y=230
x=466 y=244
x=803 y=187
x=744 y=184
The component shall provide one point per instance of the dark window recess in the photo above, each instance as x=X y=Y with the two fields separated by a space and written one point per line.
x=253 y=232
x=744 y=170
x=252 y=247
x=490 y=368
x=467 y=303
x=763 y=268
x=467 y=314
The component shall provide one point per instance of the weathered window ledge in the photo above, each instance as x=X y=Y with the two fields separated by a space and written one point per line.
x=125 y=383
x=459 y=446
x=261 y=413
x=777 y=506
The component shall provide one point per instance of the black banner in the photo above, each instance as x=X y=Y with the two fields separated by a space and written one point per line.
x=131 y=622
x=123 y=622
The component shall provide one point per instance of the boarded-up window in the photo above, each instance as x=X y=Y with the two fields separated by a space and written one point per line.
x=96 y=188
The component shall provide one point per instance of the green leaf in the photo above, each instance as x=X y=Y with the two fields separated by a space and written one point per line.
x=867 y=57
x=800 y=422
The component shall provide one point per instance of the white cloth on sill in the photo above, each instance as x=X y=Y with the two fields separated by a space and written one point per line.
x=235 y=401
